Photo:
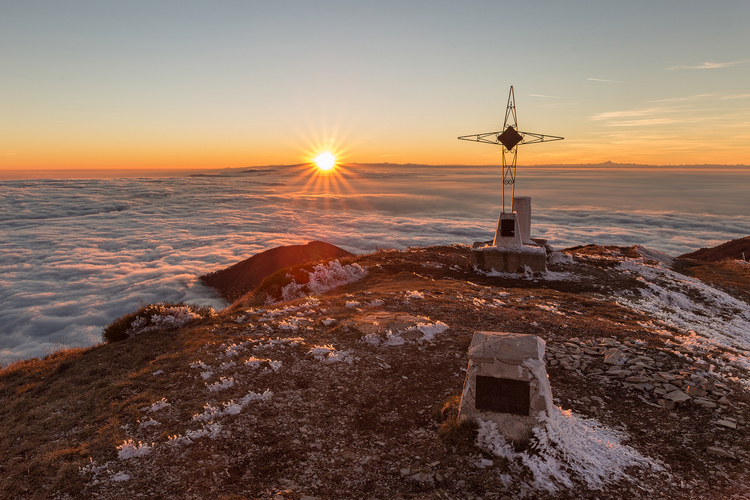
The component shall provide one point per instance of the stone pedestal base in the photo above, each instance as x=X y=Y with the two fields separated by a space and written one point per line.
x=509 y=259
x=506 y=383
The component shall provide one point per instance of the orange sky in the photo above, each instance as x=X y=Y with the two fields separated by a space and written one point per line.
x=126 y=86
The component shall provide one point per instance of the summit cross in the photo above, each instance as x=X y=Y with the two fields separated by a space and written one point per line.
x=510 y=138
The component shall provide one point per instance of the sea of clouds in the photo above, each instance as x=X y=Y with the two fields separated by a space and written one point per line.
x=75 y=254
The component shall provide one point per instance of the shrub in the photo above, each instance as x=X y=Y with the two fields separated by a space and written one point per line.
x=160 y=316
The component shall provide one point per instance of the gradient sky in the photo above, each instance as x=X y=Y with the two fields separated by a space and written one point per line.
x=167 y=84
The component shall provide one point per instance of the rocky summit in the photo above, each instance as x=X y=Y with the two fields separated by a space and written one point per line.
x=342 y=379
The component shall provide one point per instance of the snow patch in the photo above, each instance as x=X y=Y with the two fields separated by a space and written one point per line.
x=559 y=258
x=568 y=447
x=709 y=316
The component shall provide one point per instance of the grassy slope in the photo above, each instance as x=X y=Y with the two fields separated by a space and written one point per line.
x=74 y=407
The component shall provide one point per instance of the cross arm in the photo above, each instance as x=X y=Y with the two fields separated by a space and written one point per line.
x=492 y=138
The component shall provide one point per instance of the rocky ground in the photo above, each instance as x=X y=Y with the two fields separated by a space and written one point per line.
x=352 y=393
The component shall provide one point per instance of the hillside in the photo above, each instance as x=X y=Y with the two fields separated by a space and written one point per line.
x=731 y=250
x=352 y=392
x=235 y=281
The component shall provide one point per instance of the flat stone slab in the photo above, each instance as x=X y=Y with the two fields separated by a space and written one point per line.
x=510 y=348
x=719 y=452
x=727 y=423
x=677 y=396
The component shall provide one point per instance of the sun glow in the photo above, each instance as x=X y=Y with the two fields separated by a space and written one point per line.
x=325 y=161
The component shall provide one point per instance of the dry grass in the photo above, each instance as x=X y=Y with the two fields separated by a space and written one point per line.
x=63 y=410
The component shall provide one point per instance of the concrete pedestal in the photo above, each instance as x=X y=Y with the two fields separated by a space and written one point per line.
x=506 y=383
x=522 y=207
x=508 y=253
x=510 y=260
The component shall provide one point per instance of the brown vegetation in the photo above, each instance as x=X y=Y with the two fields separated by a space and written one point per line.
x=731 y=250
x=382 y=424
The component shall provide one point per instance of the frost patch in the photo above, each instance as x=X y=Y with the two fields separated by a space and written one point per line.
x=429 y=330
x=567 y=448
x=160 y=316
x=148 y=423
x=223 y=383
x=352 y=303
x=129 y=449
x=550 y=308
x=529 y=275
x=328 y=321
x=413 y=294
x=329 y=354
x=120 y=476
x=159 y=405
x=232 y=407
x=324 y=277
x=421 y=332
x=292 y=341
x=233 y=350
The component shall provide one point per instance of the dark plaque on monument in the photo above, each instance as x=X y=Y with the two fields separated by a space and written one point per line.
x=502 y=395
x=508 y=227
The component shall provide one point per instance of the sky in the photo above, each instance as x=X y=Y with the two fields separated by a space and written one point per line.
x=226 y=84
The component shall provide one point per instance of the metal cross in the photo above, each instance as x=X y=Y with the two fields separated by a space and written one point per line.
x=510 y=138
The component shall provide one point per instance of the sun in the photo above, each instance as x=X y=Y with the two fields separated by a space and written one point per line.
x=325 y=161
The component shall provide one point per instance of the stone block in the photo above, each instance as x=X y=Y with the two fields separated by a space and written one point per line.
x=695 y=392
x=612 y=356
x=506 y=382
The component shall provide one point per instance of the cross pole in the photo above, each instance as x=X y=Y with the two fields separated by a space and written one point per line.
x=510 y=138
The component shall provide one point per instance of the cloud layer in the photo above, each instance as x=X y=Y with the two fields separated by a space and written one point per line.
x=76 y=254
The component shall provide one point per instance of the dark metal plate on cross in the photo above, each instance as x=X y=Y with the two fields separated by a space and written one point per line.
x=510 y=138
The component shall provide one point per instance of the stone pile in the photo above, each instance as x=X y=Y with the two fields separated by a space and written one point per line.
x=653 y=375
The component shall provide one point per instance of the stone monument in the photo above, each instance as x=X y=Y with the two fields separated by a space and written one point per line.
x=512 y=250
x=506 y=383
